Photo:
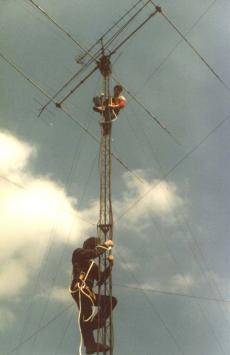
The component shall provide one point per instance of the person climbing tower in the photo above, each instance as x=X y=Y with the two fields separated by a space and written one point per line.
x=118 y=101
x=113 y=104
x=85 y=273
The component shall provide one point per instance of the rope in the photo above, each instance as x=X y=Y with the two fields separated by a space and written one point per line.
x=75 y=290
x=79 y=287
x=79 y=324
x=81 y=290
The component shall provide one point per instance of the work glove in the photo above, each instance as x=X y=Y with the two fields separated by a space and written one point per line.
x=108 y=243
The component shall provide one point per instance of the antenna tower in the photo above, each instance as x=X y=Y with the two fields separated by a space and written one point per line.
x=105 y=223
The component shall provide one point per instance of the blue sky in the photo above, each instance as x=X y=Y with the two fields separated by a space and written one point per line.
x=171 y=232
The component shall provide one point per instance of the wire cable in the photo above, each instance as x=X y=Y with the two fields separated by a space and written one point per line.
x=201 y=269
x=18 y=346
x=63 y=335
x=45 y=258
x=77 y=86
x=150 y=302
x=58 y=26
x=66 y=83
x=12 y=182
x=121 y=29
x=158 y=9
x=47 y=253
x=87 y=51
x=179 y=162
x=178 y=43
x=113 y=26
x=94 y=58
x=193 y=49
x=111 y=53
x=145 y=290
x=59 y=261
x=147 y=111
x=67 y=114
x=171 y=293
x=132 y=33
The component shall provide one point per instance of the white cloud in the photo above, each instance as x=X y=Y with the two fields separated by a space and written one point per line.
x=14 y=154
x=140 y=200
x=28 y=216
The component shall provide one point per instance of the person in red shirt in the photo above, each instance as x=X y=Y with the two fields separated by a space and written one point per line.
x=85 y=273
x=116 y=103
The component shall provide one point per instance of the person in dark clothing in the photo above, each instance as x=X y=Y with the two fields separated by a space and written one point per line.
x=85 y=273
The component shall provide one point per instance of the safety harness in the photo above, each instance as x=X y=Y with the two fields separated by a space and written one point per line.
x=81 y=287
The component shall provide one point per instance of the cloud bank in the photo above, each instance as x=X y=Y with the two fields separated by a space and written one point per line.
x=150 y=198
x=29 y=214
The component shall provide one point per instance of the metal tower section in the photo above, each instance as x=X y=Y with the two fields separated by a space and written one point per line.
x=105 y=223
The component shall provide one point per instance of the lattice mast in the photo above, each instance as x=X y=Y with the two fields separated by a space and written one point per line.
x=105 y=223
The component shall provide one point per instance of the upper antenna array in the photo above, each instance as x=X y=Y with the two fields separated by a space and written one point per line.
x=104 y=46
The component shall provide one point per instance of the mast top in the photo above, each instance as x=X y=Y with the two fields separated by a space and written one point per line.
x=105 y=66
